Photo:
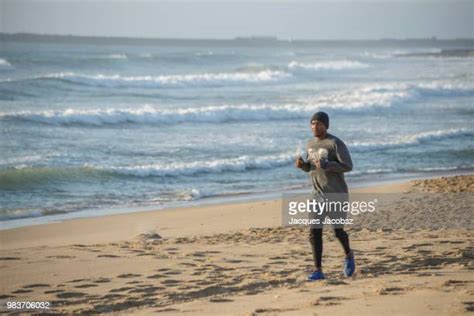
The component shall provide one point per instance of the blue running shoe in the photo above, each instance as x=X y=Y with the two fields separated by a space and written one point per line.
x=349 y=266
x=316 y=275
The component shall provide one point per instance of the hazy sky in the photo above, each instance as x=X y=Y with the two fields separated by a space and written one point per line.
x=229 y=18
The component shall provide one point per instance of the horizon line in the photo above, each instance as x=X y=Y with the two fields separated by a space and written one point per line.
x=236 y=38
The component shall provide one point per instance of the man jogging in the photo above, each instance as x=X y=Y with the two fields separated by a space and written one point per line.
x=327 y=161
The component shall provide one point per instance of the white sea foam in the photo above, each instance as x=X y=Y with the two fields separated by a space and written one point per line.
x=194 y=194
x=376 y=55
x=327 y=65
x=238 y=164
x=185 y=80
x=414 y=139
x=387 y=95
x=4 y=63
x=164 y=81
x=400 y=53
x=150 y=115
x=113 y=56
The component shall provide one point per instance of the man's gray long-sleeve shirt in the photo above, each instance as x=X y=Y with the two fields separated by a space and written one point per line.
x=331 y=178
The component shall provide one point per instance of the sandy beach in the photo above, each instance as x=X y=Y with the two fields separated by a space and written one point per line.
x=414 y=257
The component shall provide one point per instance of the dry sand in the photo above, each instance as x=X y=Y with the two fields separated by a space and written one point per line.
x=414 y=257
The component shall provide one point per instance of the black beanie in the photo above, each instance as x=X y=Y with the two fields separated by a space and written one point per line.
x=321 y=117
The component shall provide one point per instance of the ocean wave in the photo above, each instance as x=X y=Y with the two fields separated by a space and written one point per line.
x=27 y=176
x=209 y=114
x=116 y=56
x=10 y=214
x=370 y=96
x=376 y=55
x=411 y=140
x=401 y=52
x=96 y=57
x=24 y=176
x=150 y=115
x=238 y=164
x=164 y=81
x=4 y=63
x=388 y=95
x=328 y=65
x=442 y=89
x=359 y=173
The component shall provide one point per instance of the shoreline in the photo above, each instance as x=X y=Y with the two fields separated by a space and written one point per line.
x=128 y=225
x=354 y=184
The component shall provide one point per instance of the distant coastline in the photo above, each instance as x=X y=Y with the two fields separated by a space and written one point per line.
x=250 y=40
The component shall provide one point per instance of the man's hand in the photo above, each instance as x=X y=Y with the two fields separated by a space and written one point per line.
x=299 y=162
x=317 y=164
x=321 y=163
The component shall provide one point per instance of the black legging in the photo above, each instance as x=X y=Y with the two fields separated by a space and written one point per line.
x=316 y=240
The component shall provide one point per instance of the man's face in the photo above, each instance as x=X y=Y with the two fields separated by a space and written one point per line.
x=318 y=128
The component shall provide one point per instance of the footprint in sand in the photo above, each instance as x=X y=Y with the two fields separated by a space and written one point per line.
x=220 y=300
x=94 y=250
x=20 y=291
x=278 y=262
x=197 y=273
x=329 y=300
x=112 y=296
x=204 y=282
x=272 y=310
x=235 y=261
x=469 y=306
x=161 y=256
x=167 y=310
x=170 y=282
x=171 y=251
x=392 y=291
x=424 y=252
x=85 y=286
x=30 y=286
x=77 y=280
x=457 y=282
x=147 y=290
x=102 y=280
x=172 y=272
x=53 y=291
x=121 y=289
x=61 y=257
x=128 y=275
x=187 y=287
x=108 y=256
x=70 y=295
x=150 y=254
x=134 y=282
x=156 y=276
x=336 y=282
